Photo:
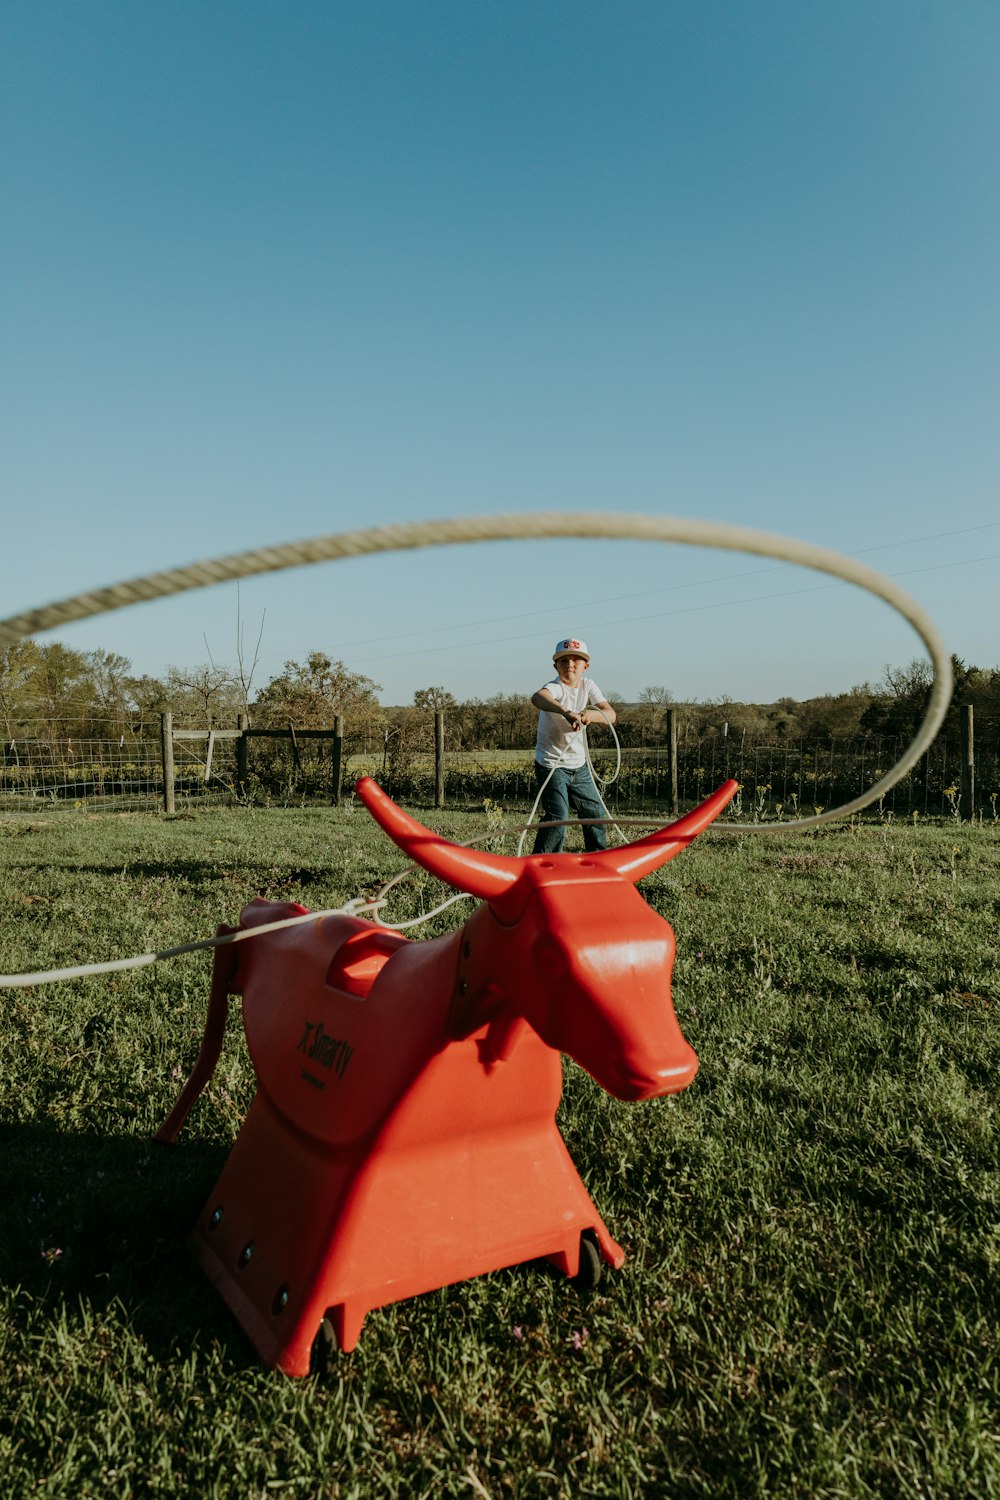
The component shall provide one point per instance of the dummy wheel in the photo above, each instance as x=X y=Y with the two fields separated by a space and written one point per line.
x=591 y=1264
x=323 y=1355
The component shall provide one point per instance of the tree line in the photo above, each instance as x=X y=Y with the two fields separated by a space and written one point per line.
x=50 y=691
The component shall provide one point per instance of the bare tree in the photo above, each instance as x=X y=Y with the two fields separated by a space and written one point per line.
x=245 y=675
x=905 y=682
x=206 y=696
x=653 y=702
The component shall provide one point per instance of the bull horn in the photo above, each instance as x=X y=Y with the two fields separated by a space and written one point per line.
x=477 y=871
x=492 y=876
x=643 y=856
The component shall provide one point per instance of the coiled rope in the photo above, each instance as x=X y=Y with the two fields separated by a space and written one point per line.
x=601 y=784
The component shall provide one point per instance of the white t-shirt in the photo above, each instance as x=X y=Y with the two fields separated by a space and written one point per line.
x=557 y=742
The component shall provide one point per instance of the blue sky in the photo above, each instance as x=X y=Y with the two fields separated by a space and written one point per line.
x=272 y=271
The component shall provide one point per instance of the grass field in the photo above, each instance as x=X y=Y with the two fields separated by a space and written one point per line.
x=810 y=1304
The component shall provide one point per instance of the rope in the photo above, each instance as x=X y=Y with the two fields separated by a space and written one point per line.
x=353 y=908
x=543 y=525
x=140 y=960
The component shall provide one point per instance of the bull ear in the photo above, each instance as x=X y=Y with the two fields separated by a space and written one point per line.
x=488 y=876
x=643 y=856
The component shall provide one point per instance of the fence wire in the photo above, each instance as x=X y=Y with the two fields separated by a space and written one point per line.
x=778 y=780
x=54 y=772
x=785 y=780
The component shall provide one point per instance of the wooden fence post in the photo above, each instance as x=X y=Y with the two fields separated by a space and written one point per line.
x=241 y=757
x=337 y=772
x=296 y=757
x=167 y=748
x=672 y=759
x=967 y=794
x=439 y=757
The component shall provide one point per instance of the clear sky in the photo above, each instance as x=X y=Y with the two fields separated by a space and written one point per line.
x=271 y=271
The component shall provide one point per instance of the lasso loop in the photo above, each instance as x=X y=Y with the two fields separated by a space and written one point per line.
x=545 y=524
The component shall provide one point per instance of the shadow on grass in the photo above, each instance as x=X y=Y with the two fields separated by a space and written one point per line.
x=101 y=1220
x=206 y=872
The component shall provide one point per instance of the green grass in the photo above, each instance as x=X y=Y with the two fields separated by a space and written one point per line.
x=810 y=1303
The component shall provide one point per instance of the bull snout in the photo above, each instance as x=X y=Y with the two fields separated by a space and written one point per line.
x=635 y=1048
x=633 y=1084
x=609 y=1008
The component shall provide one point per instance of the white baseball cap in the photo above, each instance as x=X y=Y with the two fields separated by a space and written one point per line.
x=570 y=647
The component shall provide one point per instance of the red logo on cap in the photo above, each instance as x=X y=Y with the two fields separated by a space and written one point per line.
x=573 y=645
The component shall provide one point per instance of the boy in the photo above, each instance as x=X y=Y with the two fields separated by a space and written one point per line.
x=565 y=705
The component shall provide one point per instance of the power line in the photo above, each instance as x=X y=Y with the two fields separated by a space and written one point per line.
x=668 y=613
x=563 y=609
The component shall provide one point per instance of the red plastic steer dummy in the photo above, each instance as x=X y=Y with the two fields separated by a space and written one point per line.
x=403 y=1132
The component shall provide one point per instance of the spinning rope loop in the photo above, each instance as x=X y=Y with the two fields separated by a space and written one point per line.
x=543 y=525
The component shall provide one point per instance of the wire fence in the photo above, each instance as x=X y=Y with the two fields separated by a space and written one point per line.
x=126 y=773
x=53 y=772
x=777 y=780
x=783 y=780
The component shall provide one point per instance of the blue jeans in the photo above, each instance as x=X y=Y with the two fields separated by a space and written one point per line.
x=568 y=786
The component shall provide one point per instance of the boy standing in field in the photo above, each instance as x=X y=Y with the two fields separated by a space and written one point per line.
x=564 y=706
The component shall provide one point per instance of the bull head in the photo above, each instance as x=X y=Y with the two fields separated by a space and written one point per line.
x=566 y=944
